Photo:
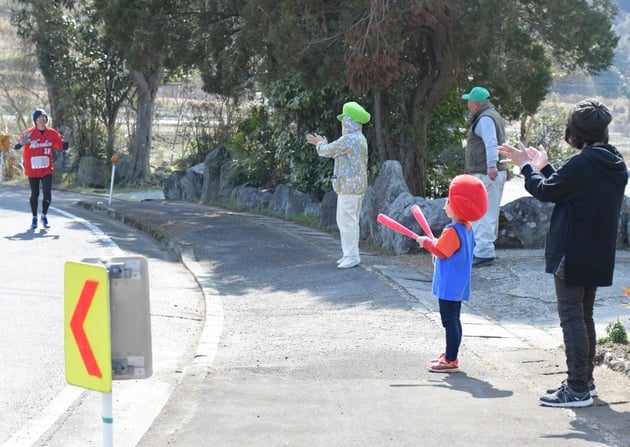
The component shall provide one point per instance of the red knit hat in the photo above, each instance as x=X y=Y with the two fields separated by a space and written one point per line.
x=467 y=197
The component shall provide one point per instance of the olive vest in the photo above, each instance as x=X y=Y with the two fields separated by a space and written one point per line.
x=476 y=149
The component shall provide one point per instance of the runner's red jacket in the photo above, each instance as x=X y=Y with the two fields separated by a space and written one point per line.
x=38 y=153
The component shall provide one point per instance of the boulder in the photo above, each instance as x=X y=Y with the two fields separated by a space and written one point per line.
x=523 y=223
x=328 y=210
x=215 y=175
x=171 y=186
x=92 y=172
x=183 y=185
x=251 y=197
x=288 y=201
x=389 y=184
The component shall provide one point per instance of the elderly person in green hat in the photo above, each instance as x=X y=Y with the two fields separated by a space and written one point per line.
x=350 y=153
x=486 y=134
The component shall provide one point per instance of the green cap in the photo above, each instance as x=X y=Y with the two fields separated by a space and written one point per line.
x=355 y=112
x=478 y=94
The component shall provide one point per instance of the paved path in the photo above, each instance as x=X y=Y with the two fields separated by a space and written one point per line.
x=297 y=352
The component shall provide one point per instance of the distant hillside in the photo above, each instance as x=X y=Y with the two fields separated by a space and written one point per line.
x=609 y=83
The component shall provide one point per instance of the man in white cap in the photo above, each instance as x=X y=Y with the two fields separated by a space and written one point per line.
x=350 y=153
x=486 y=134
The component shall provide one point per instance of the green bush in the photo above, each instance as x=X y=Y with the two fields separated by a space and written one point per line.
x=268 y=144
x=445 y=154
x=257 y=160
x=443 y=166
x=547 y=129
x=617 y=332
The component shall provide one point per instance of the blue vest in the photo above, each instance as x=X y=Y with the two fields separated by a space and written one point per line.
x=451 y=276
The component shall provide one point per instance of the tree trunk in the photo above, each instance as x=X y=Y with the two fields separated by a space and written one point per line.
x=378 y=126
x=436 y=76
x=141 y=150
x=110 y=125
x=523 y=129
x=111 y=139
x=415 y=157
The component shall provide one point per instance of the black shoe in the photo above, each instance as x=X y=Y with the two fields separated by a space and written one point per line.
x=591 y=388
x=564 y=397
x=480 y=262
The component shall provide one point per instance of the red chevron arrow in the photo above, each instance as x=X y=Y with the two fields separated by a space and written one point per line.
x=76 y=324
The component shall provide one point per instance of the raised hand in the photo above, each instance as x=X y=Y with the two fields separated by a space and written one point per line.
x=26 y=138
x=538 y=156
x=315 y=139
x=518 y=156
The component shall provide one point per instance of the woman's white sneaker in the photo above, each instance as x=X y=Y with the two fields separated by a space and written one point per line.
x=348 y=263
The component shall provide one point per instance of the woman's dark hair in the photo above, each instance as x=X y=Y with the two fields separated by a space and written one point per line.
x=587 y=123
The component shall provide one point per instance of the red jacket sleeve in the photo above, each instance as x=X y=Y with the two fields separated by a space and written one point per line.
x=443 y=247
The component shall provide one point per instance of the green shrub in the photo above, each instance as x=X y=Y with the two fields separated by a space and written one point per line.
x=257 y=160
x=445 y=153
x=617 y=332
x=547 y=129
x=443 y=166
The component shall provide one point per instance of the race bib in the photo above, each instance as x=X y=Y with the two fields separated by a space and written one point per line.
x=40 y=162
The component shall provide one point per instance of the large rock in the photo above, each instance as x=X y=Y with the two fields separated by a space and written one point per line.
x=366 y=212
x=313 y=209
x=225 y=188
x=389 y=184
x=251 y=197
x=400 y=210
x=523 y=223
x=328 y=211
x=92 y=172
x=184 y=185
x=288 y=201
x=192 y=182
x=172 y=187
x=215 y=175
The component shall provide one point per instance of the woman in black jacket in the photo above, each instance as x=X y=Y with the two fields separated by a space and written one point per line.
x=581 y=242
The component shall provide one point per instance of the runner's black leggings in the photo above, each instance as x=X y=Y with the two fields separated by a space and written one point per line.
x=46 y=185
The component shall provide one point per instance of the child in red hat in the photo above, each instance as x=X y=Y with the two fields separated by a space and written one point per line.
x=467 y=202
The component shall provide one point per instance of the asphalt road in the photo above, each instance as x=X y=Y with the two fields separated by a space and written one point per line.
x=37 y=406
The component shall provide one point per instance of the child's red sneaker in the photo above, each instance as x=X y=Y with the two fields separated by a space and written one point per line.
x=444 y=366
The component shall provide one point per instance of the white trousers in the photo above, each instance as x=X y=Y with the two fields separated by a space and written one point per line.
x=348 y=213
x=487 y=228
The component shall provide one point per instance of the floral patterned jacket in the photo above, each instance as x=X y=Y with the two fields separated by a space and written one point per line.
x=350 y=153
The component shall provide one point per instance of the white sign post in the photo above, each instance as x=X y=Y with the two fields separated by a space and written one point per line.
x=111 y=183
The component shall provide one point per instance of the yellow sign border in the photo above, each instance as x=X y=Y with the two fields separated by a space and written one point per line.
x=96 y=326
